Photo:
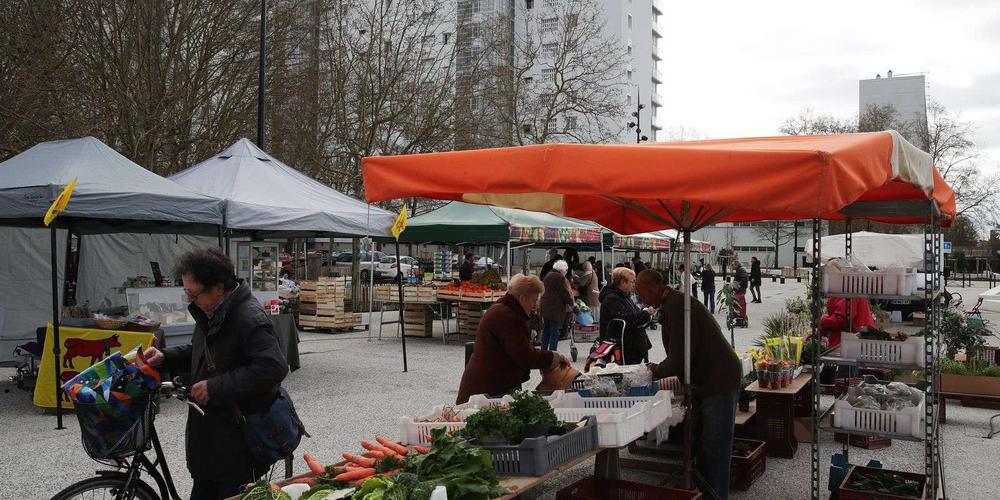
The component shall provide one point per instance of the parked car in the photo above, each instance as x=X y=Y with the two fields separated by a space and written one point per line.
x=342 y=264
x=389 y=266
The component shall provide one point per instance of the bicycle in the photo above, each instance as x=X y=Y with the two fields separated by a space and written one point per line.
x=130 y=460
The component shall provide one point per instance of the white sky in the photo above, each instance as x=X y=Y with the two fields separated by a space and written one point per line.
x=740 y=68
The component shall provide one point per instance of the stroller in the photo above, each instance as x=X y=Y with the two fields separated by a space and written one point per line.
x=609 y=350
x=738 y=318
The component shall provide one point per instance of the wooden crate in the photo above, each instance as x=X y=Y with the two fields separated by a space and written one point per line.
x=863 y=442
x=419 y=320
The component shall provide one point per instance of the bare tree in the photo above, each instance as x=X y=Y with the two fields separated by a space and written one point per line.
x=776 y=233
x=554 y=75
x=807 y=122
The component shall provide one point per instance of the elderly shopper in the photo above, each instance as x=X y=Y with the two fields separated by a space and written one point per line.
x=556 y=302
x=503 y=357
x=715 y=376
x=617 y=303
x=244 y=369
x=589 y=286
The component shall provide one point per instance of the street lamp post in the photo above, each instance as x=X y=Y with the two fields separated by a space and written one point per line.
x=260 y=76
x=639 y=138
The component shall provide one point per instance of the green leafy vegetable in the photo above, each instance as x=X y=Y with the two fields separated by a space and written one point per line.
x=532 y=410
x=885 y=482
x=317 y=493
x=261 y=490
x=492 y=423
x=466 y=472
x=373 y=488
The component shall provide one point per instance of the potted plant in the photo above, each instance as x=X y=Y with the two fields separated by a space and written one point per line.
x=960 y=335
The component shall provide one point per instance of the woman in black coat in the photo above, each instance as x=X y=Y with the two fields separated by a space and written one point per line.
x=616 y=303
x=755 y=279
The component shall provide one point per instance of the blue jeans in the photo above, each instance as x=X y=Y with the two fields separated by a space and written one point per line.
x=710 y=300
x=714 y=445
x=550 y=335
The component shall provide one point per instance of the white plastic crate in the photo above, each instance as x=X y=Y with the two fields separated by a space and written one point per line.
x=413 y=432
x=908 y=421
x=616 y=427
x=891 y=352
x=659 y=409
x=869 y=283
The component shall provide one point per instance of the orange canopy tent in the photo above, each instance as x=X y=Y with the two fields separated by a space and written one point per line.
x=645 y=187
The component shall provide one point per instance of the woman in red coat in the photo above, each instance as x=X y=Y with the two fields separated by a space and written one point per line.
x=503 y=356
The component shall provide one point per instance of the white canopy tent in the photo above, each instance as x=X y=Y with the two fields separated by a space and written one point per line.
x=267 y=198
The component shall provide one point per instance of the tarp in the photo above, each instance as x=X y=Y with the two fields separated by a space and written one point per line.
x=697 y=246
x=877 y=249
x=263 y=194
x=112 y=194
x=25 y=284
x=655 y=241
x=458 y=222
x=682 y=184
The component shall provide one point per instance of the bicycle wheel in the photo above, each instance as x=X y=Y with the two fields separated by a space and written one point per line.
x=105 y=488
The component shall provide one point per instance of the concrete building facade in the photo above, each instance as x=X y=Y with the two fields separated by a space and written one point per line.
x=907 y=94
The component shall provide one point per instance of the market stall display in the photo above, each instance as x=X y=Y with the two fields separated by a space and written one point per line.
x=321 y=304
x=166 y=305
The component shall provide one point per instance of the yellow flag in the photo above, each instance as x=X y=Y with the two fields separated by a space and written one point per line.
x=400 y=224
x=60 y=204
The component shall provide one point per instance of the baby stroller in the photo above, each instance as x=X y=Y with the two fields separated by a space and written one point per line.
x=608 y=350
x=736 y=317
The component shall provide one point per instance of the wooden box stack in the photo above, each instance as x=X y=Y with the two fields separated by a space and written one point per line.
x=411 y=293
x=321 y=304
x=418 y=320
x=469 y=314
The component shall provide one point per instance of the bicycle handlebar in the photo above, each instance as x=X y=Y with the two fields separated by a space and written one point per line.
x=177 y=388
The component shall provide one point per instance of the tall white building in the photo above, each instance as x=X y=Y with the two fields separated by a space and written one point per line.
x=631 y=23
x=907 y=94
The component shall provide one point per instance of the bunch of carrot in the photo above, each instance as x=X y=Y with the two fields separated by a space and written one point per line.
x=384 y=455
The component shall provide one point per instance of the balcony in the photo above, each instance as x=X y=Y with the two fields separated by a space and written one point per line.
x=658 y=7
x=656 y=52
x=656 y=32
x=655 y=99
x=657 y=76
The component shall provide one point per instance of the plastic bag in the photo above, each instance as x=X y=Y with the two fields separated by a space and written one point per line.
x=867 y=402
x=604 y=387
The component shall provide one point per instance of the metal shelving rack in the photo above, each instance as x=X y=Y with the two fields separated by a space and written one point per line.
x=932 y=348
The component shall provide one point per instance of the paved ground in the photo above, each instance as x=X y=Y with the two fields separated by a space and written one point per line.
x=350 y=389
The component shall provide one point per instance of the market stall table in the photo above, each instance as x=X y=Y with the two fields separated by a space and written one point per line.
x=776 y=413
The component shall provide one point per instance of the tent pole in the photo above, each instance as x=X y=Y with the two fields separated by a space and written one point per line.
x=55 y=326
x=688 y=426
x=399 y=286
x=604 y=279
x=510 y=264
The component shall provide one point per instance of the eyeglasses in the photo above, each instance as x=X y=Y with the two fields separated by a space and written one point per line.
x=192 y=295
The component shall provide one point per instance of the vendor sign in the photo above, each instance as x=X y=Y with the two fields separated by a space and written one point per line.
x=82 y=348
x=527 y=234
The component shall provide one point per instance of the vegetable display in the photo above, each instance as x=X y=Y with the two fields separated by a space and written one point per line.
x=886 y=483
x=492 y=423
x=262 y=490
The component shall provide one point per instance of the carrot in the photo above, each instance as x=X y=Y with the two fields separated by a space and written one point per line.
x=367 y=462
x=421 y=449
x=274 y=487
x=375 y=454
x=355 y=474
x=311 y=481
x=368 y=445
x=392 y=445
x=314 y=466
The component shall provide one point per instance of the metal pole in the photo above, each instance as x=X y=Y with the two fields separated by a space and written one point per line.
x=399 y=286
x=260 y=75
x=604 y=278
x=814 y=293
x=686 y=285
x=510 y=263
x=57 y=359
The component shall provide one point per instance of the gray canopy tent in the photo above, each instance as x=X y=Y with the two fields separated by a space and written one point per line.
x=112 y=195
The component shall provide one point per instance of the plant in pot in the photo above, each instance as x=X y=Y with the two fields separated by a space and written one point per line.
x=534 y=413
x=959 y=335
x=968 y=378
x=492 y=426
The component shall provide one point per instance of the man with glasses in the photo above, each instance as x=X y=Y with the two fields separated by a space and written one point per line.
x=242 y=370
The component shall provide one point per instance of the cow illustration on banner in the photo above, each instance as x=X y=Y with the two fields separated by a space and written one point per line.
x=82 y=348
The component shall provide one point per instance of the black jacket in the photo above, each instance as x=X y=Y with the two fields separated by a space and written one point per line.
x=708 y=281
x=465 y=271
x=616 y=305
x=742 y=279
x=249 y=368
x=755 y=275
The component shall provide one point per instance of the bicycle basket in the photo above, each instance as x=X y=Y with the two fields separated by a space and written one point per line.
x=123 y=435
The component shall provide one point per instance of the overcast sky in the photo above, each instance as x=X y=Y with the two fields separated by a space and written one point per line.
x=738 y=68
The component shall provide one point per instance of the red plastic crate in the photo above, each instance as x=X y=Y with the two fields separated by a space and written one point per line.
x=845 y=493
x=593 y=488
x=863 y=442
x=743 y=471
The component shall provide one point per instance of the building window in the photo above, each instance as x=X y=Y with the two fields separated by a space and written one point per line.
x=446 y=37
x=526 y=128
x=550 y=24
x=570 y=123
x=476 y=6
x=548 y=73
x=528 y=80
x=572 y=19
x=629 y=50
x=550 y=49
x=553 y=124
x=529 y=4
x=628 y=99
x=630 y=21
x=629 y=74
x=429 y=39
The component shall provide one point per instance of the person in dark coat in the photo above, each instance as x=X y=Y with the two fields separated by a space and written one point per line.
x=502 y=358
x=467 y=268
x=741 y=277
x=249 y=369
x=755 y=279
x=715 y=376
x=553 y=258
x=556 y=303
x=708 y=286
x=616 y=303
x=637 y=264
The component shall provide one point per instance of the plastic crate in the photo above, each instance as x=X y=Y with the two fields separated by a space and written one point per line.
x=647 y=390
x=537 y=456
x=869 y=283
x=845 y=493
x=892 y=352
x=593 y=488
x=743 y=471
x=908 y=421
x=616 y=427
x=659 y=408
x=413 y=432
